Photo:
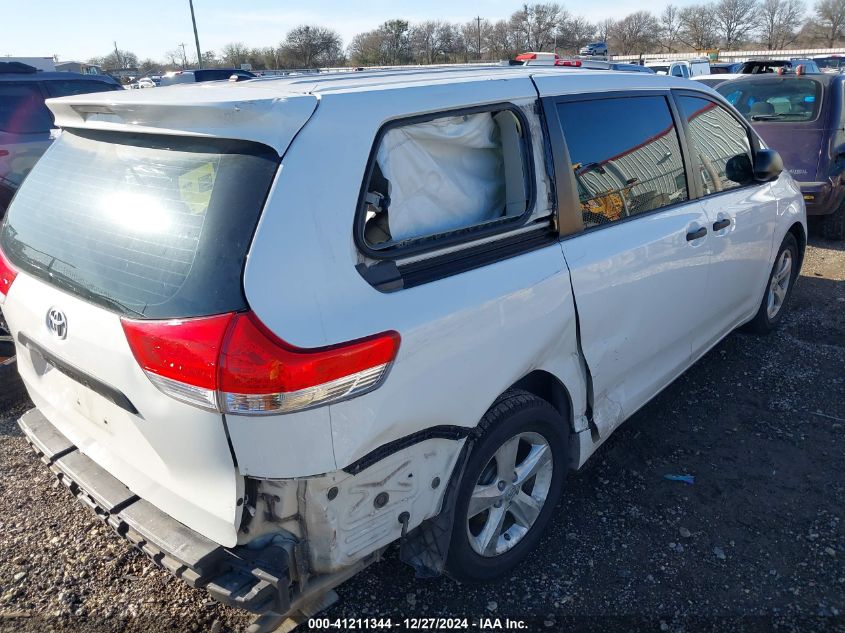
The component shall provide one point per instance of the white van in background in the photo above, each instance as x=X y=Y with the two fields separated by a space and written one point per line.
x=680 y=67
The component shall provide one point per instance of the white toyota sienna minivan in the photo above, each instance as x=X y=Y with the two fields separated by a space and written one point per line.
x=272 y=327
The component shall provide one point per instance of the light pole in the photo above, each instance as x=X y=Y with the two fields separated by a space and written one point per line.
x=196 y=37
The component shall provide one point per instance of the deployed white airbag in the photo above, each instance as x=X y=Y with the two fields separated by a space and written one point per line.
x=443 y=174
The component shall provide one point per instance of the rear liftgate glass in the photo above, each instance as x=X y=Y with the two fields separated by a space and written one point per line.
x=157 y=228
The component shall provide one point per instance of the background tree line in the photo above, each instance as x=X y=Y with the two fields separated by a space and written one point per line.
x=725 y=24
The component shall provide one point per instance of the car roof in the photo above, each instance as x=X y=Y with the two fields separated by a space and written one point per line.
x=54 y=76
x=372 y=81
x=271 y=104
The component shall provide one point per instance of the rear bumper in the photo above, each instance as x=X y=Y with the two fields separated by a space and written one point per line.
x=257 y=580
x=821 y=198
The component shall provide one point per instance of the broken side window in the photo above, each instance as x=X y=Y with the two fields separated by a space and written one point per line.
x=444 y=175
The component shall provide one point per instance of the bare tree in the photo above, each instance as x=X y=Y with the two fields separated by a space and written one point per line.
x=425 y=41
x=366 y=49
x=735 y=19
x=574 y=33
x=309 y=46
x=670 y=25
x=830 y=15
x=697 y=27
x=234 y=54
x=534 y=26
x=779 y=22
x=500 y=41
x=635 y=33
x=116 y=60
x=604 y=28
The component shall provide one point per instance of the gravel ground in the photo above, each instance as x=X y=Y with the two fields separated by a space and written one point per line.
x=756 y=544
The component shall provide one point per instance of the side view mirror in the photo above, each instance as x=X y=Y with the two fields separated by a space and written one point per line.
x=768 y=165
x=739 y=169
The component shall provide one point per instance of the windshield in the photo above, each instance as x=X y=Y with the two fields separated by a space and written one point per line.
x=774 y=99
x=660 y=70
x=141 y=224
x=831 y=63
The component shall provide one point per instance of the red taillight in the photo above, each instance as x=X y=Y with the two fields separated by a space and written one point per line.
x=185 y=350
x=7 y=276
x=234 y=364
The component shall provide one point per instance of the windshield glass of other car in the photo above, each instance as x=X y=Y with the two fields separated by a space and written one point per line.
x=775 y=99
x=141 y=224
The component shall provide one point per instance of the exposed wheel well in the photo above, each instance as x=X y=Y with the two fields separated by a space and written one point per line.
x=547 y=386
x=798 y=231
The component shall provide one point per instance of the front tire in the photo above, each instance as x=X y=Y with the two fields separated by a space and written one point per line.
x=833 y=225
x=510 y=487
x=778 y=288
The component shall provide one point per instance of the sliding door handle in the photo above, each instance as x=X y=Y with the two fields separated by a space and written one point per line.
x=697 y=235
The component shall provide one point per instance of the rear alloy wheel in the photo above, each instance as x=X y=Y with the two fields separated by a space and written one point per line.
x=510 y=487
x=509 y=494
x=778 y=289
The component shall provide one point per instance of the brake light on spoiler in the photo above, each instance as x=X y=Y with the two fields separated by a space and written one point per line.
x=232 y=363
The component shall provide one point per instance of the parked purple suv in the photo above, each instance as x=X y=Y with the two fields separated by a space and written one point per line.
x=801 y=116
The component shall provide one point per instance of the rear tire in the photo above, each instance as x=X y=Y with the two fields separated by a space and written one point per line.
x=833 y=225
x=12 y=390
x=510 y=487
x=778 y=288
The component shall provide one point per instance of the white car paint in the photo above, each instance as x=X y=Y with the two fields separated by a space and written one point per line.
x=649 y=303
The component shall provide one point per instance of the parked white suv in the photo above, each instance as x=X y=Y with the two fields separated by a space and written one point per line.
x=680 y=67
x=272 y=327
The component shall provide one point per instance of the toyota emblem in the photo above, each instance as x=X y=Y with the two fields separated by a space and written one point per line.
x=57 y=323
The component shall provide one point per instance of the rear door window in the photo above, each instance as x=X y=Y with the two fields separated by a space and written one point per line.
x=66 y=87
x=141 y=224
x=625 y=156
x=22 y=109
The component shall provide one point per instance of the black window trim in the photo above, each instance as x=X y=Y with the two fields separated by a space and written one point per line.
x=462 y=236
x=751 y=135
x=567 y=191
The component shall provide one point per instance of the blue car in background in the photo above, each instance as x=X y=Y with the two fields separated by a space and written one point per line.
x=26 y=122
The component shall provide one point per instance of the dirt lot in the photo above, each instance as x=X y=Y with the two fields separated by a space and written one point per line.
x=756 y=544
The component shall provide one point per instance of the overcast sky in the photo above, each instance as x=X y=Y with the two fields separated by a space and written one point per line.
x=87 y=28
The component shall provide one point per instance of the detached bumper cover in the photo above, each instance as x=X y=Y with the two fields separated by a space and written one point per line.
x=255 y=580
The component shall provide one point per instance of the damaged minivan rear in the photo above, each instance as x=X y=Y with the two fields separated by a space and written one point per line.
x=272 y=327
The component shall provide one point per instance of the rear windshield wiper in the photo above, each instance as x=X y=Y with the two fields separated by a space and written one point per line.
x=84 y=292
x=775 y=117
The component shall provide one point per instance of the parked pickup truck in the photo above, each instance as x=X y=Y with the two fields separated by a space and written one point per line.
x=271 y=327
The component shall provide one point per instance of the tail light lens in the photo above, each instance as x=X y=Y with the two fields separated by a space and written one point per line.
x=232 y=363
x=7 y=276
